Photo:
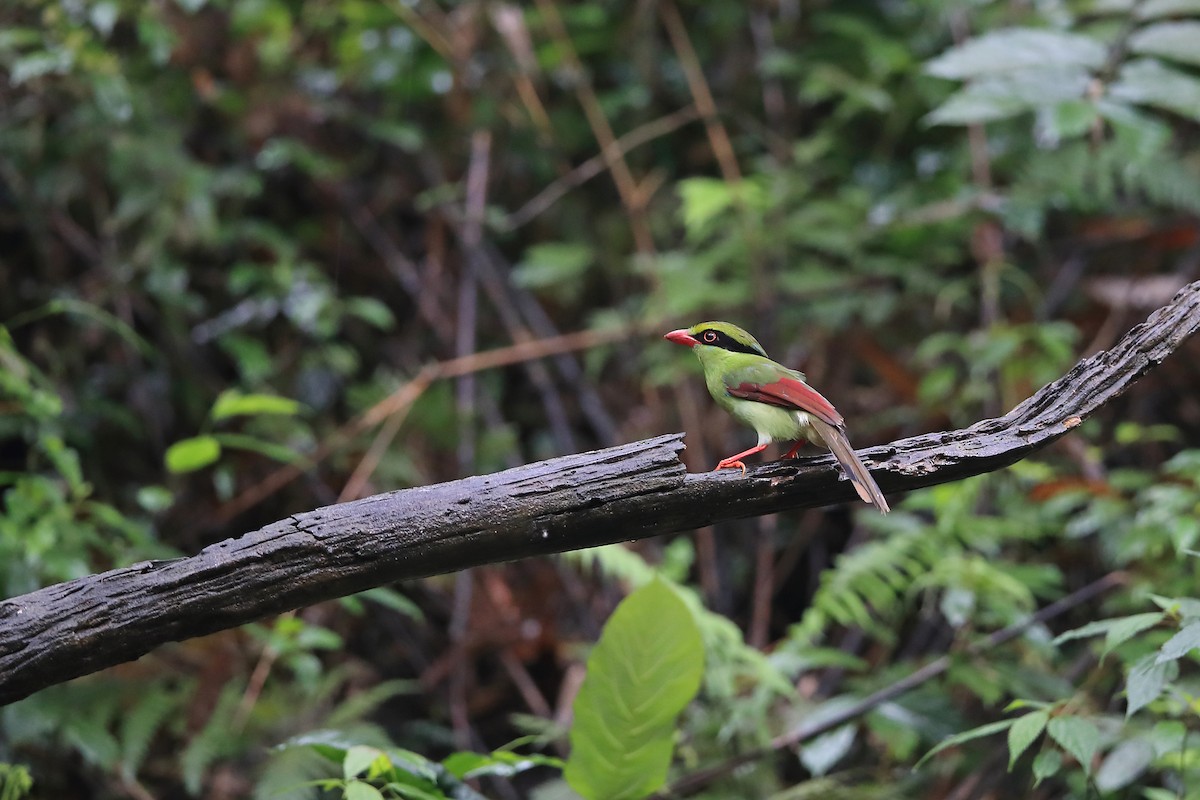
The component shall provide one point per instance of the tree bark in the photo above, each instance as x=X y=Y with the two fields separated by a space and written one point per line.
x=627 y=492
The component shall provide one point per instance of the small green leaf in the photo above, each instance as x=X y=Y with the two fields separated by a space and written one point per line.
x=371 y=311
x=391 y=599
x=1078 y=736
x=502 y=763
x=645 y=668
x=966 y=736
x=1024 y=732
x=358 y=760
x=1181 y=643
x=232 y=403
x=1046 y=765
x=1124 y=765
x=241 y=441
x=553 y=263
x=703 y=199
x=155 y=498
x=1147 y=679
x=192 y=454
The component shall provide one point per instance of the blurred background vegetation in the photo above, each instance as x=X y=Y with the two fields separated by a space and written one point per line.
x=233 y=233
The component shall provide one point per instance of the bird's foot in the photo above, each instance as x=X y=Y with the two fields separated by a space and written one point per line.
x=730 y=463
x=795 y=448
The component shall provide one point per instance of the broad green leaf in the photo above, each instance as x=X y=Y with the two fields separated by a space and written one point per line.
x=1046 y=764
x=1000 y=96
x=645 y=668
x=1124 y=765
x=1178 y=41
x=1024 y=732
x=1078 y=736
x=1155 y=9
x=1181 y=643
x=1124 y=629
x=330 y=744
x=38 y=64
x=232 y=403
x=824 y=752
x=1149 y=83
x=1184 y=607
x=189 y=455
x=1017 y=48
x=1116 y=631
x=357 y=790
x=1067 y=120
x=966 y=736
x=1147 y=678
x=358 y=759
x=1094 y=628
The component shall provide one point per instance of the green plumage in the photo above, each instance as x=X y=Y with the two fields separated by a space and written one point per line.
x=725 y=370
x=775 y=401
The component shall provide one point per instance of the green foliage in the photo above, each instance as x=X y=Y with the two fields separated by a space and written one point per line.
x=645 y=668
x=369 y=771
x=15 y=782
x=942 y=543
x=232 y=228
x=198 y=452
x=1096 y=116
x=51 y=524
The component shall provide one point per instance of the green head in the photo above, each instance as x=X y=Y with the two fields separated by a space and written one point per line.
x=715 y=341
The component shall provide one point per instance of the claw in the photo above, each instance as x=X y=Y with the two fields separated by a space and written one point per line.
x=795 y=448
x=727 y=464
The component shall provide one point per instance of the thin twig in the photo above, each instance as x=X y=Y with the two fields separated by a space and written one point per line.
x=764 y=582
x=718 y=137
x=643 y=134
x=566 y=364
x=406 y=394
x=627 y=186
x=468 y=295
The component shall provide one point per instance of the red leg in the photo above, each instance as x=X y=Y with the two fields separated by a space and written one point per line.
x=795 y=448
x=736 y=461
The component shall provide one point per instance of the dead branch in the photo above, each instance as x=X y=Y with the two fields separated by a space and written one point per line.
x=627 y=492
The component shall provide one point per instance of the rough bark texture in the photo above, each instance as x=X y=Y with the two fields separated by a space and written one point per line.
x=621 y=493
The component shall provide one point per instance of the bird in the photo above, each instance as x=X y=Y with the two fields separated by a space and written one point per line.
x=775 y=401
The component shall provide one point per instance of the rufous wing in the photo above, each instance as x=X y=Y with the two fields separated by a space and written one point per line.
x=788 y=392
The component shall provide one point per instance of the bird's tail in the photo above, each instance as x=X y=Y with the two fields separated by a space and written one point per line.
x=856 y=471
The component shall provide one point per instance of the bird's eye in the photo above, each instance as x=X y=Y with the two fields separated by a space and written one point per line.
x=709 y=336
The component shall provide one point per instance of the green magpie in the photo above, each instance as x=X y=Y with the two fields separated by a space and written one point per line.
x=772 y=399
